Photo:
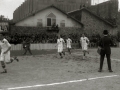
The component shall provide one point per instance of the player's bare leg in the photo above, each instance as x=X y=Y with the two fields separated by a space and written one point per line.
x=13 y=59
x=4 y=67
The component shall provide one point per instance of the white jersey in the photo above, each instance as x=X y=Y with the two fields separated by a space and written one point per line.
x=69 y=41
x=60 y=42
x=84 y=40
x=4 y=44
x=84 y=43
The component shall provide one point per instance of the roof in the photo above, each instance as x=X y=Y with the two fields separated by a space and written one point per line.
x=55 y=8
x=97 y=16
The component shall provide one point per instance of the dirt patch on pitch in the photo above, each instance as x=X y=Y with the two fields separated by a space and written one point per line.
x=41 y=69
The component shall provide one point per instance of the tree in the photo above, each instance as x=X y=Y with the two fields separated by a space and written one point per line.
x=2 y=18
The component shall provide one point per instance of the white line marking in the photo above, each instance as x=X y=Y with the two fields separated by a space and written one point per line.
x=47 y=84
x=102 y=77
x=59 y=83
x=116 y=59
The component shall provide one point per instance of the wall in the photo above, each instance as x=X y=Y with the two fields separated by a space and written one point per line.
x=41 y=46
x=93 y=24
x=107 y=10
x=31 y=6
x=32 y=20
x=34 y=46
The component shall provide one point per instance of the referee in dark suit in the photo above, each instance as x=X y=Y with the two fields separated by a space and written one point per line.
x=105 y=44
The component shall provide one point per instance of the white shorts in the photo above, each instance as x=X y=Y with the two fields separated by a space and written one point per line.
x=85 y=48
x=68 y=46
x=60 y=49
x=5 y=57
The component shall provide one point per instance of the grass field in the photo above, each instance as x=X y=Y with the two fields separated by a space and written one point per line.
x=45 y=68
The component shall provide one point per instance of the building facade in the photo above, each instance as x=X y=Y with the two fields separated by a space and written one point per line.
x=32 y=6
x=48 y=17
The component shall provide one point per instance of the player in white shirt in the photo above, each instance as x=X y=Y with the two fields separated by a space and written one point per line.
x=60 y=43
x=84 y=44
x=69 y=42
x=5 y=53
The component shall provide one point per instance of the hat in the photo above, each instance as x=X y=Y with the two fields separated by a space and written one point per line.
x=105 y=32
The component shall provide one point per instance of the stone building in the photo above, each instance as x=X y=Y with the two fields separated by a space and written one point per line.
x=92 y=22
x=107 y=10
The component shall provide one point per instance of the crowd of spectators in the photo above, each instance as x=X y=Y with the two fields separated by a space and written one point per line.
x=38 y=38
x=52 y=38
x=34 y=38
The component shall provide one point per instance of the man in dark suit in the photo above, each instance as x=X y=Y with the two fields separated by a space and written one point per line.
x=26 y=46
x=105 y=44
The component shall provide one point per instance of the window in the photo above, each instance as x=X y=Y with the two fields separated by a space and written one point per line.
x=39 y=23
x=62 y=24
x=51 y=19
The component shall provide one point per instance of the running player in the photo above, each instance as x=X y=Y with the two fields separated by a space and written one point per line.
x=69 y=42
x=84 y=44
x=60 y=43
x=5 y=53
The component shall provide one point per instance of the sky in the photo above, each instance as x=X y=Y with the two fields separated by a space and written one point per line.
x=7 y=7
x=97 y=1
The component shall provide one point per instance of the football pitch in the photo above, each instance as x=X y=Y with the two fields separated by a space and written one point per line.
x=45 y=70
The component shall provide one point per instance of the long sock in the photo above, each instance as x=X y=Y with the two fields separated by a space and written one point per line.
x=84 y=56
x=15 y=58
x=4 y=68
x=69 y=50
x=60 y=55
x=63 y=52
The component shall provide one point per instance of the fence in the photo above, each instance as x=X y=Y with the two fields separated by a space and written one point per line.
x=40 y=46
x=47 y=46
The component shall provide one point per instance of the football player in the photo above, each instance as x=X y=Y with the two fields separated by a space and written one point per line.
x=5 y=53
x=84 y=44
